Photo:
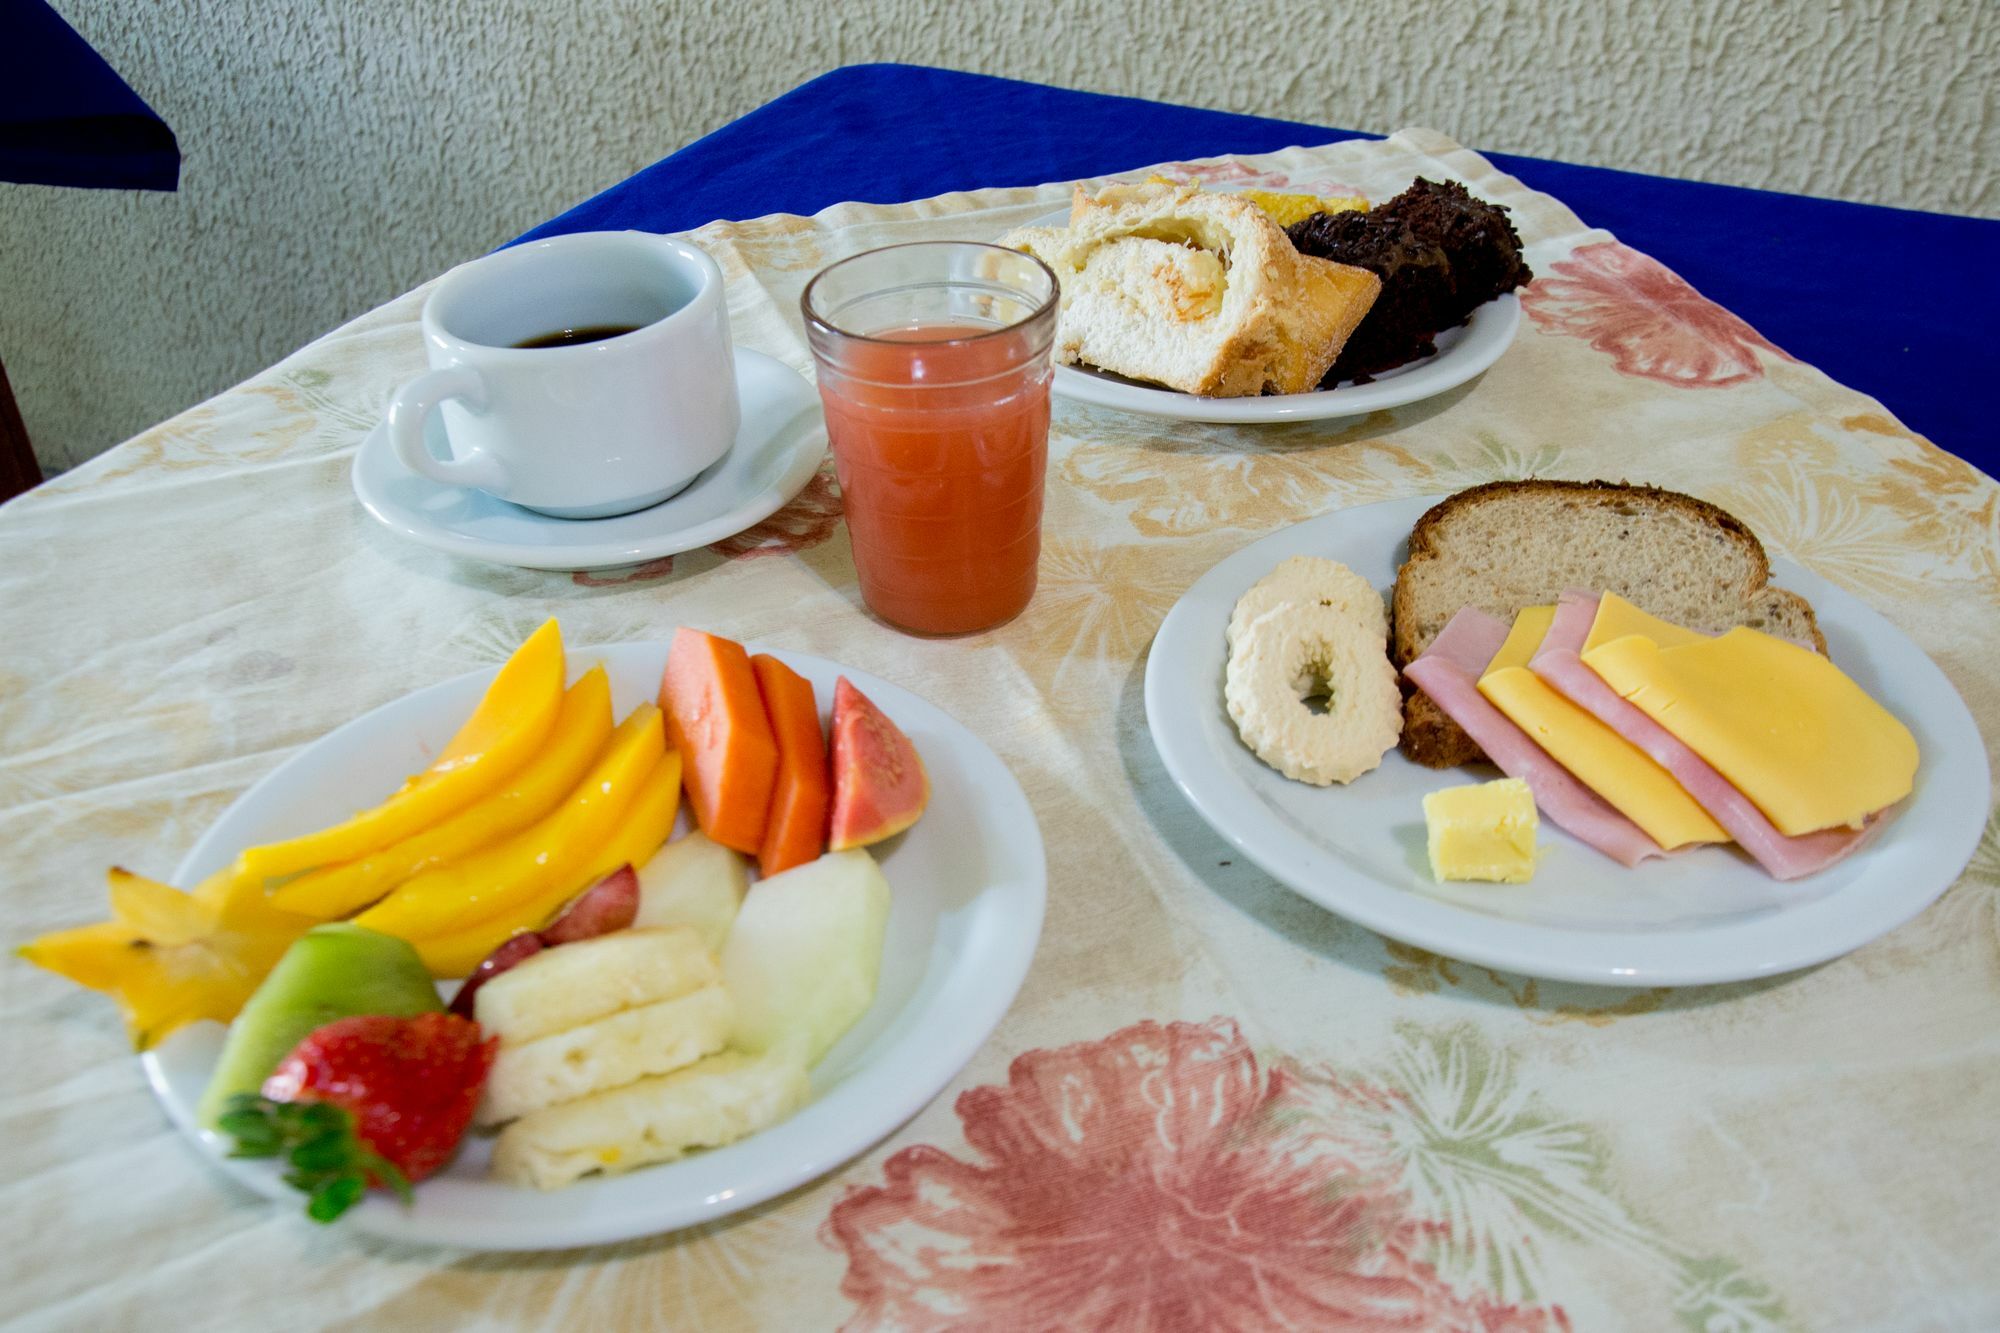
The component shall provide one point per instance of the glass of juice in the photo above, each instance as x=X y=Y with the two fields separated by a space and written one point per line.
x=933 y=364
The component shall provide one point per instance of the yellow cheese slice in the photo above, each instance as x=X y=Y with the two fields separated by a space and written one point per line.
x=1785 y=725
x=1617 y=618
x=1531 y=626
x=1599 y=757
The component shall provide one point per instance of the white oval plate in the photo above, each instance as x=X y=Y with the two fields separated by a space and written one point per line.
x=1461 y=353
x=968 y=883
x=1707 y=916
x=777 y=450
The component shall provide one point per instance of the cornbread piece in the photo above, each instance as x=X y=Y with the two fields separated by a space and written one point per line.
x=1482 y=832
x=1513 y=544
x=1200 y=292
x=1441 y=254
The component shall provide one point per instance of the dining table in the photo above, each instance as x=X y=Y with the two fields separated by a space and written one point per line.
x=1213 y=1103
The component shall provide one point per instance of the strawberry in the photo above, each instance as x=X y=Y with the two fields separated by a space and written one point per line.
x=371 y=1100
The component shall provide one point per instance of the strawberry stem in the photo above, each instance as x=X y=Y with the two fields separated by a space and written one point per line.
x=330 y=1164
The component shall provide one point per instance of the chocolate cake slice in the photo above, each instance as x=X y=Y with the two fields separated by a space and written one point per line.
x=1441 y=254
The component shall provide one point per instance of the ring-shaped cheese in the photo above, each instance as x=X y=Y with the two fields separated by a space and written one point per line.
x=1277 y=660
x=1311 y=578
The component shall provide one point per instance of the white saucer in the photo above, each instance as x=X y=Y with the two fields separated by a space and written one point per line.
x=776 y=453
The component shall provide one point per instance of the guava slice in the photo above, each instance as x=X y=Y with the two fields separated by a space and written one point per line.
x=879 y=783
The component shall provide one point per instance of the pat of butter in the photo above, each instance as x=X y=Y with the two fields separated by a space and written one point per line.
x=1601 y=759
x=1785 y=725
x=1484 y=832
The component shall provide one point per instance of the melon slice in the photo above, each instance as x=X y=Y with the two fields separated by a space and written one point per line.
x=879 y=783
x=694 y=881
x=802 y=960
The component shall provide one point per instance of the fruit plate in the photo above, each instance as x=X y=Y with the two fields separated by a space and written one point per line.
x=968 y=885
x=1707 y=916
x=1462 y=353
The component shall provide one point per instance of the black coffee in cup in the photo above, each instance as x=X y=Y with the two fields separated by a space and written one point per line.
x=569 y=337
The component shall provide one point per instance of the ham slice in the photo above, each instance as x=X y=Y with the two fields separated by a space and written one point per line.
x=1448 y=671
x=1558 y=662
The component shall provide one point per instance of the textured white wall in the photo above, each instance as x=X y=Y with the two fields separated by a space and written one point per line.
x=337 y=154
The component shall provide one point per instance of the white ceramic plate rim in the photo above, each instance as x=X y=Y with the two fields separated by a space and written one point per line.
x=1462 y=353
x=1922 y=852
x=588 y=549
x=923 y=1051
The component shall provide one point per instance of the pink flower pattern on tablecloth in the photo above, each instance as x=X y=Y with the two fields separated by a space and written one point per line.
x=1646 y=318
x=809 y=519
x=1157 y=1179
x=651 y=569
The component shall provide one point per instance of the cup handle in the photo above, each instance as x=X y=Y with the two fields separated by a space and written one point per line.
x=420 y=397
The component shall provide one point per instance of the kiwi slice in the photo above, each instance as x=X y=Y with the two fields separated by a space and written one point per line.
x=331 y=972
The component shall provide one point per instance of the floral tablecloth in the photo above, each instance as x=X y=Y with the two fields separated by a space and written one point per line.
x=1213 y=1105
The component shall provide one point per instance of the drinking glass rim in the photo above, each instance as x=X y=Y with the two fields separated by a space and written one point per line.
x=814 y=320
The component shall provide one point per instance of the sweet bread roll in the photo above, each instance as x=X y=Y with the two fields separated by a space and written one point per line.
x=1198 y=291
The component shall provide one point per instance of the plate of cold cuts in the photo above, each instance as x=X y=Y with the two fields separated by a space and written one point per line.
x=1710 y=913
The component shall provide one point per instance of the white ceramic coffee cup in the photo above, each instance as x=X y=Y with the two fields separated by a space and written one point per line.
x=584 y=430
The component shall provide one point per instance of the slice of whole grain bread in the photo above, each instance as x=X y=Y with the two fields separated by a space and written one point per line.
x=1510 y=544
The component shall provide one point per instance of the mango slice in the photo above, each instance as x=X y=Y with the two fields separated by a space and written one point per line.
x=642 y=832
x=503 y=733
x=555 y=852
x=581 y=726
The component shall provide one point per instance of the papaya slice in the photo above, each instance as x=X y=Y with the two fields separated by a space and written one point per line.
x=795 y=831
x=879 y=784
x=715 y=718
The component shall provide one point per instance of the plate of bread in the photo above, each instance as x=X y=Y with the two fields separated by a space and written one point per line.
x=1258 y=307
x=1577 y=730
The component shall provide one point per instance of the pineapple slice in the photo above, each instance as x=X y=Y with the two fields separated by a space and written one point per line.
x=720 y=1100
x=559 y=989
x=605 y=1054
x=171 y=958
